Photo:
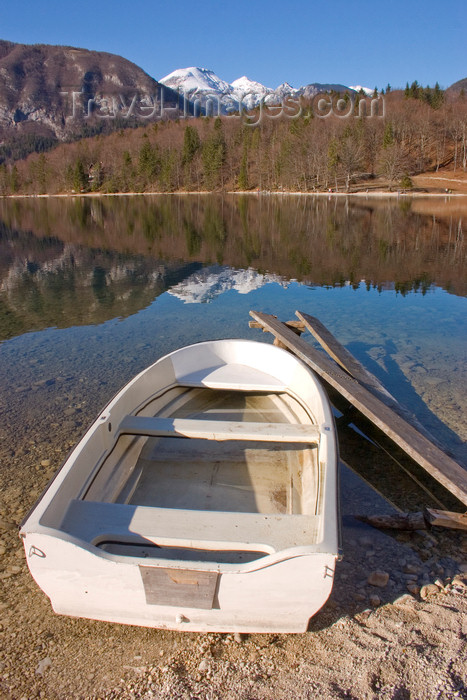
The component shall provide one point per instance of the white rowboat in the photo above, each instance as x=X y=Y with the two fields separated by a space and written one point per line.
x=203 y=498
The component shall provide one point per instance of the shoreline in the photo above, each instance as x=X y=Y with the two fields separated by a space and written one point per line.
x=377 y=194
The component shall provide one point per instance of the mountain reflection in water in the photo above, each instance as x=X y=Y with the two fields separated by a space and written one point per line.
x=78 y=261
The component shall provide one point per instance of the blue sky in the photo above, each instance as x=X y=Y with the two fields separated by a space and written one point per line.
x=300 y=41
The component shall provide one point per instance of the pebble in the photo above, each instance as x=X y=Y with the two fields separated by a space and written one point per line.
x=378 y=578
x=411 y=569
x=203 y=666
x=428 y=590
x=43 y=665
x=413 y=588
x=425 y=553
x=375 y=601
x=409 y=577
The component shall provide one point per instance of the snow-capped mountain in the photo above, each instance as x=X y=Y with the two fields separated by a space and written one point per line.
x=250 y=92
x=367 y=91
x=244 y=85
x=196 y=80
x=284 y=90
x=210 y=282
x=202 y=84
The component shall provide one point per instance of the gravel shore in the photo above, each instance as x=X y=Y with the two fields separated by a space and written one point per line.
x=394 y=627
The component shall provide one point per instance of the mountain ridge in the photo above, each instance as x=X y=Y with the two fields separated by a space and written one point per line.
x=60 y=92
x=203 y=84
x=52 y=93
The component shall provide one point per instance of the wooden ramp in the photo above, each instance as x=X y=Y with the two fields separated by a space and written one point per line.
x=364 y=392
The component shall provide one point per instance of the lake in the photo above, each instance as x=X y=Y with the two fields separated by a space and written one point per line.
x=94 y=289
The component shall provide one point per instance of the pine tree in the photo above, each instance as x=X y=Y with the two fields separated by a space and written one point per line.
x=243 y=174
x=191 y=144
x=333 y=158
x=213 y=155
x=388 y=136
x=437 y=97
x=415 y=90
x=80 y=178
x=14 y=179
x=148 y=162
x=41 y=173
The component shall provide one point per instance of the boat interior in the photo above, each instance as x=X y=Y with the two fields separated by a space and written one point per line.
x=245 y=476
x=161 y=474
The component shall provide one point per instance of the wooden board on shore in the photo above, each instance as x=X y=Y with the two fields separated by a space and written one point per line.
x=443 y=518
x=342 y=356
x=417 y=521
x=438 y=464
x=351 y=365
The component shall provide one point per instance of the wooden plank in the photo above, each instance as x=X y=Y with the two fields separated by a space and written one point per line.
x=93 y=521
x=181 y=587
x=341 y=355
x=417 y=521
x=219 y=430
x=351 y=365
x=297 y=326
x=441 y=467
x=395 y=521
x=444 y=518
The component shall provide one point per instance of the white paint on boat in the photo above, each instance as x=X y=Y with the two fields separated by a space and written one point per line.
x=204 y=497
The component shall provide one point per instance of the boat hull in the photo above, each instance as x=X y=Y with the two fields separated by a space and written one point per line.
x=203 y=498
x=276 y=596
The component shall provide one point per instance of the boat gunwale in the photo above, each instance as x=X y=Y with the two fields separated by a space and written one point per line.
x=269 y=559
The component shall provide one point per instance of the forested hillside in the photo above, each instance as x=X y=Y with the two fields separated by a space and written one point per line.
x=419 y=131
x=55 y=93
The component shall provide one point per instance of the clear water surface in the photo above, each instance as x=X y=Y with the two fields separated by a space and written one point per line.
x=94 y=290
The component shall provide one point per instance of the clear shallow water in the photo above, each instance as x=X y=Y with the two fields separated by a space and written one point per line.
x=79 y=320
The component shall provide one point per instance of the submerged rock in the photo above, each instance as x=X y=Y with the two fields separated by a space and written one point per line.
x=378 y=578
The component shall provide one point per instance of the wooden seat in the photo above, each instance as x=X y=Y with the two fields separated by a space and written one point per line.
x=96 y=522
x=219 y=430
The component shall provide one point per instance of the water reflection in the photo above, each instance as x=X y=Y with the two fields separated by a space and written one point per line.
x=47 y=283
x=67 y=262
x=210 y=282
